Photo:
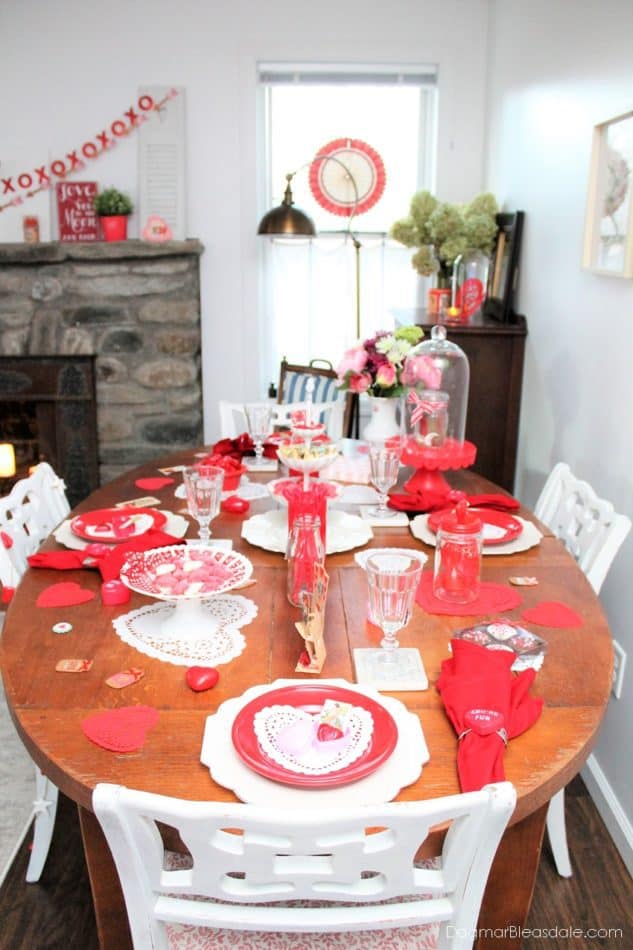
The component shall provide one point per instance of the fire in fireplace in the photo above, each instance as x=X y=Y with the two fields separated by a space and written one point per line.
x=48 y=413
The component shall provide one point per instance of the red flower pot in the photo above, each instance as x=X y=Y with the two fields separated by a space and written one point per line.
x=114 y=227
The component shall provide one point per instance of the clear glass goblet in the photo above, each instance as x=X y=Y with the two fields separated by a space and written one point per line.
x=203 y=487
x=259 y=419
x=393 y=580
x=384 y=462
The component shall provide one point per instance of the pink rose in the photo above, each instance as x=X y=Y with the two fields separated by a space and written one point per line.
x=359 y=382
x=353 y=361
x=421 y=369
x=386 y=375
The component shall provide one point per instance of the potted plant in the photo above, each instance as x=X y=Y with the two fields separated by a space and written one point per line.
x=113 y=207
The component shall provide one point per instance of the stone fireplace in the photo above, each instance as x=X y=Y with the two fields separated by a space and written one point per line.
x=132 y=306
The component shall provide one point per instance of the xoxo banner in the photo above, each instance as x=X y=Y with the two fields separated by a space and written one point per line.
x=32 y=182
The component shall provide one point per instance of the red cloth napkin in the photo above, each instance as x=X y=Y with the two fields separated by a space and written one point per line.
x=62 y=560
x=65 y=594
x=110 y=565
x=552 y=613
x=120 y=730
x=493 y=598
x=477 y=678
x=244 y=445
x=434 y=501
x=153 y=484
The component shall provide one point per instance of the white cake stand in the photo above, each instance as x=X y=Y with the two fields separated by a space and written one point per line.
x=143 y=570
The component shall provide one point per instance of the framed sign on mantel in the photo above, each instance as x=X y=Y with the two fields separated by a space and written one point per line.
x=76 y=216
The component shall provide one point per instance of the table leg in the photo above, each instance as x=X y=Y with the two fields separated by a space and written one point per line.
x=510 y=886
x=112 y=926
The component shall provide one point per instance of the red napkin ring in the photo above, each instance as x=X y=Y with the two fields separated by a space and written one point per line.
x=484 y=722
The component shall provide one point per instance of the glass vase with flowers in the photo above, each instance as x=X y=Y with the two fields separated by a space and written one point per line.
x=377 y=367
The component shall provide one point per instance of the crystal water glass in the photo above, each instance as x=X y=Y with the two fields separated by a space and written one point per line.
x=259 y=419
x=384 y=462
x=203 y=487
x=393 y=580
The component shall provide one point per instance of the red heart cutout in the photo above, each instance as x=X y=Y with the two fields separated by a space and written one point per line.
x=64 y=594
x=151 y=484
x=7 y=540
x=235 y=505
x=120 y=730
x=199 y=678
x=552 y=613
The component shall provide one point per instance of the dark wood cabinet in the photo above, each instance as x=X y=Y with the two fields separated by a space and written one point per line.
x=495 y=352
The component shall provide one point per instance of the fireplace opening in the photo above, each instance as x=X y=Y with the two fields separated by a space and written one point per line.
x=48 y=413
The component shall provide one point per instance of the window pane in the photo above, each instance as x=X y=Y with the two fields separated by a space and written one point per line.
x=304 y=119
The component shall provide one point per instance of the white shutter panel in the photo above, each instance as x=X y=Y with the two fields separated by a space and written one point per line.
x=161 y=153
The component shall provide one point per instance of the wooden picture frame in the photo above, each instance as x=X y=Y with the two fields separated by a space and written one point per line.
x=504 y=268
x=608 y=239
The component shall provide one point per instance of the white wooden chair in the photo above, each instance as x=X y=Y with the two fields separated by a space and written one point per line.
x=266 y=870
x=233 y=417
x=28 y=514
x=592 y=532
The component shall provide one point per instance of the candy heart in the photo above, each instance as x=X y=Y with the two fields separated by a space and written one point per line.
x=199 y=678
x=235 y=505
x=326 y=733
x=64 y=594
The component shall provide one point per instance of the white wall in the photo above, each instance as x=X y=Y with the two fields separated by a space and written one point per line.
x=557 y=67
x=69 y=68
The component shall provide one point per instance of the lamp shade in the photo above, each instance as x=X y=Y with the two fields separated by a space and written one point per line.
x=286 y=219
x=7 y=460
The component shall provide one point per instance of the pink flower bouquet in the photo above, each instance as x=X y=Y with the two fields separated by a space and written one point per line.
x=386 y=364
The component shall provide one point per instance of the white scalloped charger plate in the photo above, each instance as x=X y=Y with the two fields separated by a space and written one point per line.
x=403 y=766
x=270 y=531
x=529 y=537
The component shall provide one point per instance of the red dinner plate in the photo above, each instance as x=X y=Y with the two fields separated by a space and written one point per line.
x=310 y=698
x=501 y=526
x=113 y=525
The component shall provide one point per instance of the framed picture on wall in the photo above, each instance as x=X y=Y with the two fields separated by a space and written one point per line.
x=504 y=268
x=608 y=244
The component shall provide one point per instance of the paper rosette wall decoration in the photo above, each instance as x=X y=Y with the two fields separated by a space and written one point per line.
x=331 y=180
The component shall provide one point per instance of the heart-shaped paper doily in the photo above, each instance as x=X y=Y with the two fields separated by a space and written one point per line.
x=492 y=599
x=152 y=484
x=64 y=594
x=552 y=613
x=120 y=730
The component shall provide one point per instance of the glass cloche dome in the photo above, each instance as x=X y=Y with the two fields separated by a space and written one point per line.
x=437 y=378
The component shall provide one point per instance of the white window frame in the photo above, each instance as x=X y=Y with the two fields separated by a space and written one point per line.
x=273 y=73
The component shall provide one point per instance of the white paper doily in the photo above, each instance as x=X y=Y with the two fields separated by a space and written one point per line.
x=270 y=531
x=146 y=629
x=313 y=758
x=529 y=537
x=175 y=525
x=402 y=767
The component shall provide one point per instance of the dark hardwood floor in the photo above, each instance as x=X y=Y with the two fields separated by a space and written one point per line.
x=57 y=912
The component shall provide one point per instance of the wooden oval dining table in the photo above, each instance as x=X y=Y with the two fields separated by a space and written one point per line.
x=48 y=707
